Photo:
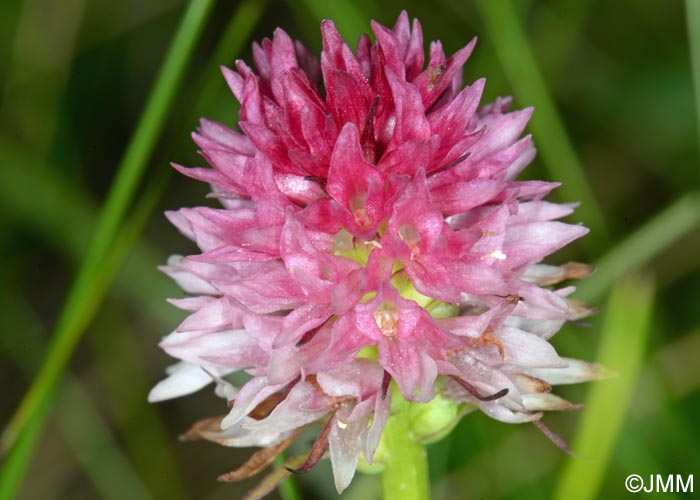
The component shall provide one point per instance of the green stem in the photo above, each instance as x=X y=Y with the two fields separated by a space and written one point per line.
x=405 y=476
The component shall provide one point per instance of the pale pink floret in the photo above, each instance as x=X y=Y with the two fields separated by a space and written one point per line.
x=360 y=183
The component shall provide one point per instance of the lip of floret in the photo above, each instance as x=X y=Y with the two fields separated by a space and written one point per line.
x=387 y=318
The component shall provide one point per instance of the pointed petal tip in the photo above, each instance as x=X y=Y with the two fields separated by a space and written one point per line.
x=328 y=27
x=528 y=111
x=479 y=84
x=602 y=372
x=153 y=396
x=577 y=371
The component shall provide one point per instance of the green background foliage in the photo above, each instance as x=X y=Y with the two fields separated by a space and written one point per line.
x=97 y=97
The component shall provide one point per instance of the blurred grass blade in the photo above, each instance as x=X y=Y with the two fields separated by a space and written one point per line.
x=243 y=22
x=349 y=17
x=95 y=449
x=655 y=236
x=623 y=343
x=78 y=421
x=483 y=474
x=121 y=376
x=692 y=12
x=514 y=51
x=118 y=364
x=21 y=452
x=54 y=201
x=42 y=203
x=241 y=26
x=16 y=464
x=34 y=81
x=678 y=366
x=556 y=35
x=82 y=301
x=288 y=489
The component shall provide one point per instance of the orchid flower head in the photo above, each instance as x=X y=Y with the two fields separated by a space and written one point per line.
x=372 y=242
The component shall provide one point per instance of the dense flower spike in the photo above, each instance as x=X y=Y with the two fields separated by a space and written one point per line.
x=372 y=230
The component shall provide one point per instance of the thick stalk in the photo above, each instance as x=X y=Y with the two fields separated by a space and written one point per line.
x=405 y=476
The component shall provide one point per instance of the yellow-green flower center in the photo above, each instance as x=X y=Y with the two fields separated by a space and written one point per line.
x=359 y=250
